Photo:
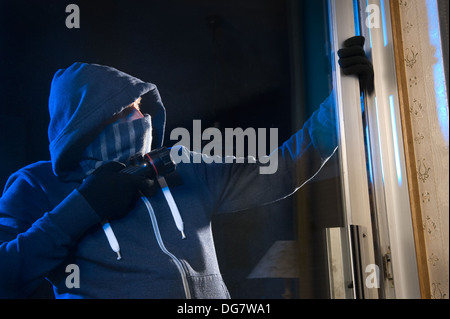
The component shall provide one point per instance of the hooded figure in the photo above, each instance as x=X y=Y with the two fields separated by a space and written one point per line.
x=79 y=209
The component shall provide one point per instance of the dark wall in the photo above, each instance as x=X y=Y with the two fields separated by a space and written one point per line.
x=225 y=62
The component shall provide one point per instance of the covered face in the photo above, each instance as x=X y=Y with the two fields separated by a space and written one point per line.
x=128 y=135
x=83 y=100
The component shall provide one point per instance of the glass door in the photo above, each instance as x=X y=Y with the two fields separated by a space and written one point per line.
x=388 y=180
x=351 y=248
x=377 y=241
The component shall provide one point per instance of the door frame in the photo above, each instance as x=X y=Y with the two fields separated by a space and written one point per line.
x=383 y=214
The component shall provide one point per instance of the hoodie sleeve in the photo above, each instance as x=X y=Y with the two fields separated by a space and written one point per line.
x=236 y=187
x=35 y=239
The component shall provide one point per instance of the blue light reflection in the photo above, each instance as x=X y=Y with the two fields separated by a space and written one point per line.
x=379 y=139
x=395 y=137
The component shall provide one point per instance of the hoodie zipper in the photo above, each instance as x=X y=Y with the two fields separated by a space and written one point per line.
x=159 y=239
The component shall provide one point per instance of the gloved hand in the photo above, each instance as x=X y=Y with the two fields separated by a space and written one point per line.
x=113 y=194
x=353 y=61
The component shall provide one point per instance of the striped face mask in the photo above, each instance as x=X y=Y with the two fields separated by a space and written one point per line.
x=119 y=142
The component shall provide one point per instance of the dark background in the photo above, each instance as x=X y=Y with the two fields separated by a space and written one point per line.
x=230 y=63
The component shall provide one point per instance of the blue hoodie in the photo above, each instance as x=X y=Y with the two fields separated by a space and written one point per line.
x=46 y=225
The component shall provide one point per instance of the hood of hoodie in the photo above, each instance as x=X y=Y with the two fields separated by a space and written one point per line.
x=82 y=98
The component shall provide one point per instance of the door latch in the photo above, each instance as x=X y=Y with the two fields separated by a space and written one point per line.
x=387 y=265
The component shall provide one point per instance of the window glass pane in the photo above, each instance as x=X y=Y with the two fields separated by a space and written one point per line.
x=280 y=250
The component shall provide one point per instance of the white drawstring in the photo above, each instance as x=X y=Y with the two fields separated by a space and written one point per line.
x=172 y=205
x=111 y=238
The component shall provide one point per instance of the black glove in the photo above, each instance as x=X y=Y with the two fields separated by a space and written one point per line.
x=113 y=194
x=353 y=61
